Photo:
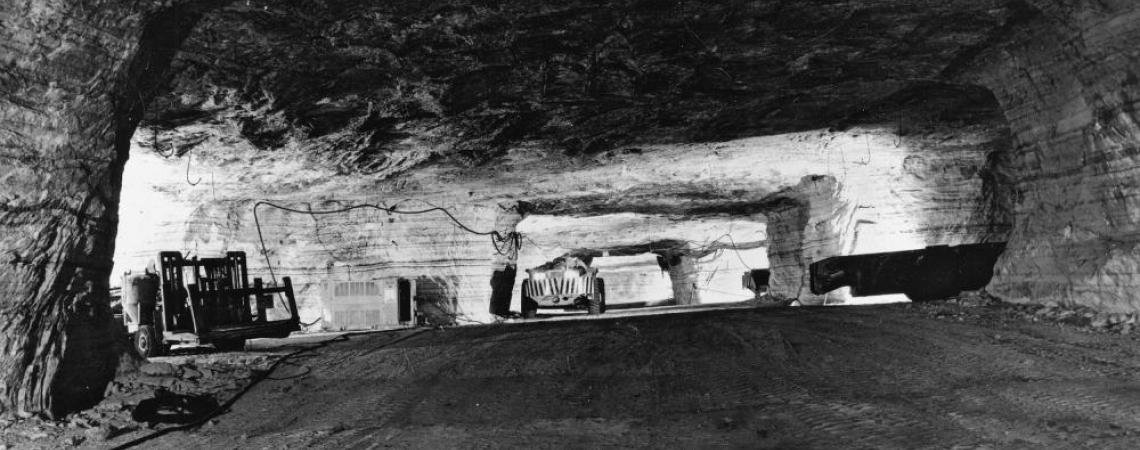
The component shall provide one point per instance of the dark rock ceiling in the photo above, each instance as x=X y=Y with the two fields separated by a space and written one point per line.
x=383 y=87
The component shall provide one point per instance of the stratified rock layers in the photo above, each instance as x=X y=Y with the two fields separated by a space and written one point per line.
x=73 y=79
x=883 y=192
x=901 y=194
x=1070 y=88
x=600 y=126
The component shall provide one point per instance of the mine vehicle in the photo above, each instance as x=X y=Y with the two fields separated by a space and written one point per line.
x=569 y=285
x=926 y=274
x=201 y=301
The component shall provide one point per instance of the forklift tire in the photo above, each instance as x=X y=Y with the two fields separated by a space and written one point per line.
x=146 y=342
x=230 y=345
x=529 y=308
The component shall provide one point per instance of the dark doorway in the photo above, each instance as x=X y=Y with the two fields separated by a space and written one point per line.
x=404 y=294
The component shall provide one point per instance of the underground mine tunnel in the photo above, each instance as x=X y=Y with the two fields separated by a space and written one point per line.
x=427 y=170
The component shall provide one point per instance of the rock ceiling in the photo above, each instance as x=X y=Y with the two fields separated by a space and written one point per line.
x=447 y=90
x=697 y=119
x=916 y=121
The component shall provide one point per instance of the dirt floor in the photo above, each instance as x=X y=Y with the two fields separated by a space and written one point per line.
x=942 y=375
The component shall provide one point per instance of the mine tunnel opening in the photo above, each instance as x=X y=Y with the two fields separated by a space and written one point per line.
x=917 y=114
x=662 y=279
x=950 y=184
x=649 y=260
x=843 y=131
x=930 y=124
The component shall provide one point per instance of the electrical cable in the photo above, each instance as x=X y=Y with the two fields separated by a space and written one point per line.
x=154 y=143
x=512 y=242
x=192 y=183
x=306 y=325
x=737 y=251
x=496 y=237
x=541 y=248
x=307 y=371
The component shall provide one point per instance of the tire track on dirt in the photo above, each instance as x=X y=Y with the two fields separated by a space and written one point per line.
x=886 y=377
x=1117 y=403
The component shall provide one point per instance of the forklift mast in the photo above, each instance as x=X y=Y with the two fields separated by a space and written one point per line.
x=210 y=300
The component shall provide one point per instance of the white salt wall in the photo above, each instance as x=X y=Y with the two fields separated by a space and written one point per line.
x=887 y=193
x=1070 y=88
x=719 y=274
x=163 y=212
x=631 y=279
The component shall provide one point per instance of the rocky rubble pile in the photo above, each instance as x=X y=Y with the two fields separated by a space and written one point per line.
x=1085 y=317
x=1088 y=319
x=195 y=383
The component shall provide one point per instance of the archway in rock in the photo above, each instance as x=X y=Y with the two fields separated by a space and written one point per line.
x=688 y=110
x=76 y=78
x=684 y=251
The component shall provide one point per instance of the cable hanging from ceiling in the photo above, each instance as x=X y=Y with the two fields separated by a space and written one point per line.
x=506 y=245
x=192 y=183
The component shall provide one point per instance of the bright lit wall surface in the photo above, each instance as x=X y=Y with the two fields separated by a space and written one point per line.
x=634 y=279
x=720 y=274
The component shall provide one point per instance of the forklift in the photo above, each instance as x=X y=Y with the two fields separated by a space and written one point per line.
x=202 y=301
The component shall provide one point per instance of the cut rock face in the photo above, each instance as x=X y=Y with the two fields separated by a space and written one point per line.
x=629 y=108
x=392 y=86
x=1075 y=164
x=75 y=79
x=899 y=193
x=676 y=109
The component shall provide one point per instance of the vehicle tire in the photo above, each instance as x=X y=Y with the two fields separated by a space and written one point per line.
x=598 y=302
x=146 y=342
x=594 y=306
x=230 y=345
x=529 y=308
x=935 y=277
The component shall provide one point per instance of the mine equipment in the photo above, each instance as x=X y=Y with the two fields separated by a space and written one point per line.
x=201 y=301
x=570 y=285
x=926 y=274
x=756 y=280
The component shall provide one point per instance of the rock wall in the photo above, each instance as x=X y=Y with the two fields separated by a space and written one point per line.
x=813 y=223
x=451 y=266
x=719 y=279
x=713 y=248
x=901 y=193
x=391 y=85
x=1069 y=85
x=926 y=187
x=74 y=77
x=683 y=277
x=633 y=280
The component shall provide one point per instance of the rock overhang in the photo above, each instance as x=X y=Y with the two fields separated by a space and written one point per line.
x=382 y=89
x=667 y=109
